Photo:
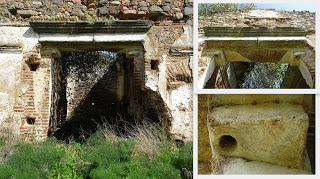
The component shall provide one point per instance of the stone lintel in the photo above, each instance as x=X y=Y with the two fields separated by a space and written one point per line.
x=120 y=26
x=91 y=37
x=271 y=132
x=256 y=42
x=139 y=37
x=10 y=49
x=253 y=32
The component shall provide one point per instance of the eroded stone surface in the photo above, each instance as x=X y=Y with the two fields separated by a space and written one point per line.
x=270 y=132
x=238 y=45
x=260 y=18
x=16 y=10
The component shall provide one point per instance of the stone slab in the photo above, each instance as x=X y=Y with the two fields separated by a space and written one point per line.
x=119 y=37
x=234 y=99
x=253 y=32
x=119 y=26
x=256 y=42
x=270 y=132
x=92 y=38
x=239 y=166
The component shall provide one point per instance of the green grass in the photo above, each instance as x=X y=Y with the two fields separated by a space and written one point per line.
x=98 y=158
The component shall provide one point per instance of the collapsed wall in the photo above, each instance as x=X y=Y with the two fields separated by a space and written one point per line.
x=25 y=74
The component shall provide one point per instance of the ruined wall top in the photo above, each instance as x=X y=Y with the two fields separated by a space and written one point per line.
x=93 y=10
x=261 y=18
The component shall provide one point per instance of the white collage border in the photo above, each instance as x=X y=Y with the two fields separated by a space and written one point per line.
x=197 y=91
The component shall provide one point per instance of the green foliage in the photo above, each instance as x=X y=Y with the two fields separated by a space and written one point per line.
x=98 y=158
x=71 y=167
x=156 y=168
x=33 y=160
x=167 y=164
x=102 y=152
x=184 y=158
x=114 y=171
x=8 y=171
x=207 y=9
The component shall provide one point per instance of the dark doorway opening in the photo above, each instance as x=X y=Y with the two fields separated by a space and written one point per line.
x=92 y=89
x=256 y=75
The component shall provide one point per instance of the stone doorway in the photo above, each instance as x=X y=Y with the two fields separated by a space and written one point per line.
x=89 y=74
x=280 y=58
x=94 y=88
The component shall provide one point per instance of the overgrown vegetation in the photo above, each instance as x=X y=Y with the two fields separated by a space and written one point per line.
x=147 y=153
x=207 y=9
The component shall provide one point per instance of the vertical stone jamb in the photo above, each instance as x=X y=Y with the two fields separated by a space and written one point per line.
x=138 y=80
x=51 y=85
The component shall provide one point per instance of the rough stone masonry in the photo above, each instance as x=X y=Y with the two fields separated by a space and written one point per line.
x=25 y=69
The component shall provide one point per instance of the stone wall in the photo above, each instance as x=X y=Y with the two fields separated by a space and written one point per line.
x=261 y=18
x=81 y=72
x=21 y=10
x=167 y=58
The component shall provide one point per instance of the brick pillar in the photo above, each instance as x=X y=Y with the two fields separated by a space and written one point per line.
x=33 y=104
x=52 y=119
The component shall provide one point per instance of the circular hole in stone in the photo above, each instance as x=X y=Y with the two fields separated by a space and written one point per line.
x=227 y=142
x=33 y=66
x=31 y=120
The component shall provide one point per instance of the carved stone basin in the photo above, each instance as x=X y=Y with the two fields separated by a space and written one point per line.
x=270 y=132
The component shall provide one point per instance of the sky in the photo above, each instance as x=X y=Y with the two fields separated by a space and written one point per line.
x=288 y=6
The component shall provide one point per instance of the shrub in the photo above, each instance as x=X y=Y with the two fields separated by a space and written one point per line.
x=8 y=171
x=33 y=160
x=106 y=156
x=207 y=9
x=184 y=158
x=101 y=157
x=72 y=167
x=156 y=168
x=114 y=171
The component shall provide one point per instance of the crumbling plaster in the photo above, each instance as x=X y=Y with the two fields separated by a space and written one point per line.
x=21 y=40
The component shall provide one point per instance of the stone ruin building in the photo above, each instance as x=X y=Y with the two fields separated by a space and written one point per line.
x=71 y=63
x=257 y=49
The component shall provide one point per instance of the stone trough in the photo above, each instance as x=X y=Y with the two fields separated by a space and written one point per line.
x=269 y=132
